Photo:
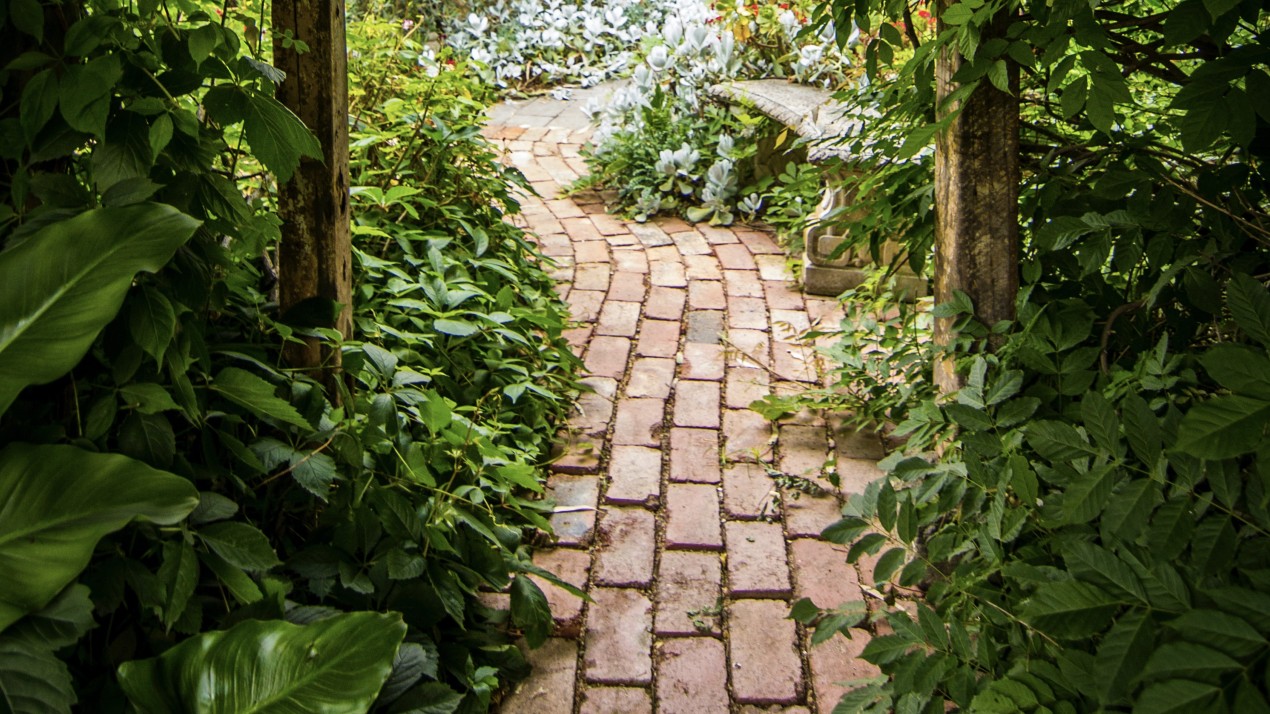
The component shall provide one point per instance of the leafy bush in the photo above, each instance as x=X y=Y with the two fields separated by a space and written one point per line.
x=141 y=379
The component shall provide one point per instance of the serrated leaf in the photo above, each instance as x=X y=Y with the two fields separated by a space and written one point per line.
x=85 y=92
x=845 y=531
x=33 y=680
x=179 y=577
x=408 y=667
x=457 y=328
x=887 y=564
x=240 y=544
x=277 y=136
x=315 y=471
x=1100 y=566
x=1129 y=509
x=257 y=396
x=1187 y=660
x=1057 y=441
x=1088 y=494
x=1142 y=429
x=1249 y=304
x=149 y=438
x=1177 y=696
x=1100 y=421
x=1224 y=427
x=428 y=698
x=1233 y=635
x=804 y=611
x=1070 y=609
x=1122 y=654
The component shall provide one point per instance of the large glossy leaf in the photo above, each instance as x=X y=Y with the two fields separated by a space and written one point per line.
x=59 y=287
x=336 y=665
x=56 y=502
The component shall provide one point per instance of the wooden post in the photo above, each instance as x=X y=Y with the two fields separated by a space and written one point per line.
x=315 y=257
x=976 y=197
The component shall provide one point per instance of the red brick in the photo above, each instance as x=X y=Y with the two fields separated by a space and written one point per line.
x=749 y=348
x=772 y=268
x=703 y=361
x=651 y=377
x=702 y=267
x=807 y=515
x=749 y=493
x=619 y=637
x=803 y=450
x=838 y=661
x=582 y=230
x=571 y=566
x=545 y=224
x=667 y=274
x=615 y=700
x=765 y=665
x=856 y=474
x=626 y=538
x=634 y=475
x=742 y=283
x=672 y=225
x=706 y=295
x=856 y=443
x=746 y=435
x=759 y=242
x=577 y=456
x=658 y=338
x=649 y=234
x=688 y=593
x=794 y=362
x=588 y=251
x=735 y=257
x=692 y=677
x=697 y=404
x=607 y=355
x=822 y=573
x=628 y=286
x=608 y=225
x=747 y=313
x=690 y=243
x=584 y=305
x=757 y=565
x=692 y=517
x=667 y=253
x=694 y=455
x=618 y=318
x=744 y=386
x=718 y=235
x=824 y=310
x=628 y=260
x=579 y=337
x=782 y=295
x=639 y=422
x=774 y=709
x=665 y=303
x=564 y=208
x=591 y=276
x=576 y=497
x=594 y=408
x=549 y=690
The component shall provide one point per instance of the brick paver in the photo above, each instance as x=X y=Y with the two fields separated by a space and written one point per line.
x=670 y=504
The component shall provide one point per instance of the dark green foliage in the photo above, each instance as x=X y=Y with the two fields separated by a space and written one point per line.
x=409 y=492
x=1093 y=533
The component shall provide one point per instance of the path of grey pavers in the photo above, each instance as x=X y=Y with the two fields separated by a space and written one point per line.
x=668 y=512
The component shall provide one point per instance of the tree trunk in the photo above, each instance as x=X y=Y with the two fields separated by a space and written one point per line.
x=976 y=198
x=315 y=257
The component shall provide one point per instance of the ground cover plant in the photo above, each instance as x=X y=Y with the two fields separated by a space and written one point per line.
x=178 y=506
x=1083 y=525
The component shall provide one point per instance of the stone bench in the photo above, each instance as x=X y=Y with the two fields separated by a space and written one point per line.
x=821 y=122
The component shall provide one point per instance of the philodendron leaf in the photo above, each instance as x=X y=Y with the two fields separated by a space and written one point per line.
x=61 y=286
x=57 y=501
x=335 y=665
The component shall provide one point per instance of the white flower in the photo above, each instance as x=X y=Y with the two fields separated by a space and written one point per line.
x=658 y=58
x=477 y=24
x=810 y=55
x=726 y=146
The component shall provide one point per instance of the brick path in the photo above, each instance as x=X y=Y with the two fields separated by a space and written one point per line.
x=669 y=514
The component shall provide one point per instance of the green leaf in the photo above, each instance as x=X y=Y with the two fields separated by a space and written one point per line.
x=1057 y=441
x=39 y=101
x=1249 y=304
x=1128 y=510
x=1233 y=635
x=62 y=500
x=257 y=396
x=1142 y=429
x=61 y=623
x=1100 y=421
x=59 y=288
x=85 y=94
x=33 y=680
x=1088 y=494
x=1177 y=696
x=1240 y=369
x=1122 y=654
x=179 y=575
x=428 y=698
x=804 y=611
x=457 y=328
x=242 y=545
x=845 y=531
x=887 y=564
x=314 y=471
x=277 y=137
x=1100 y=566
x=1070 y=609
x=1189 y=660
x=332 y=665
x=530 y=610
x=148 y=438
x=148 y=398
x=1223 y=427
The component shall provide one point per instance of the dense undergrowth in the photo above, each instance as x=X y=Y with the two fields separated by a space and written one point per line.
x=341 y=535
x=1085 y=524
